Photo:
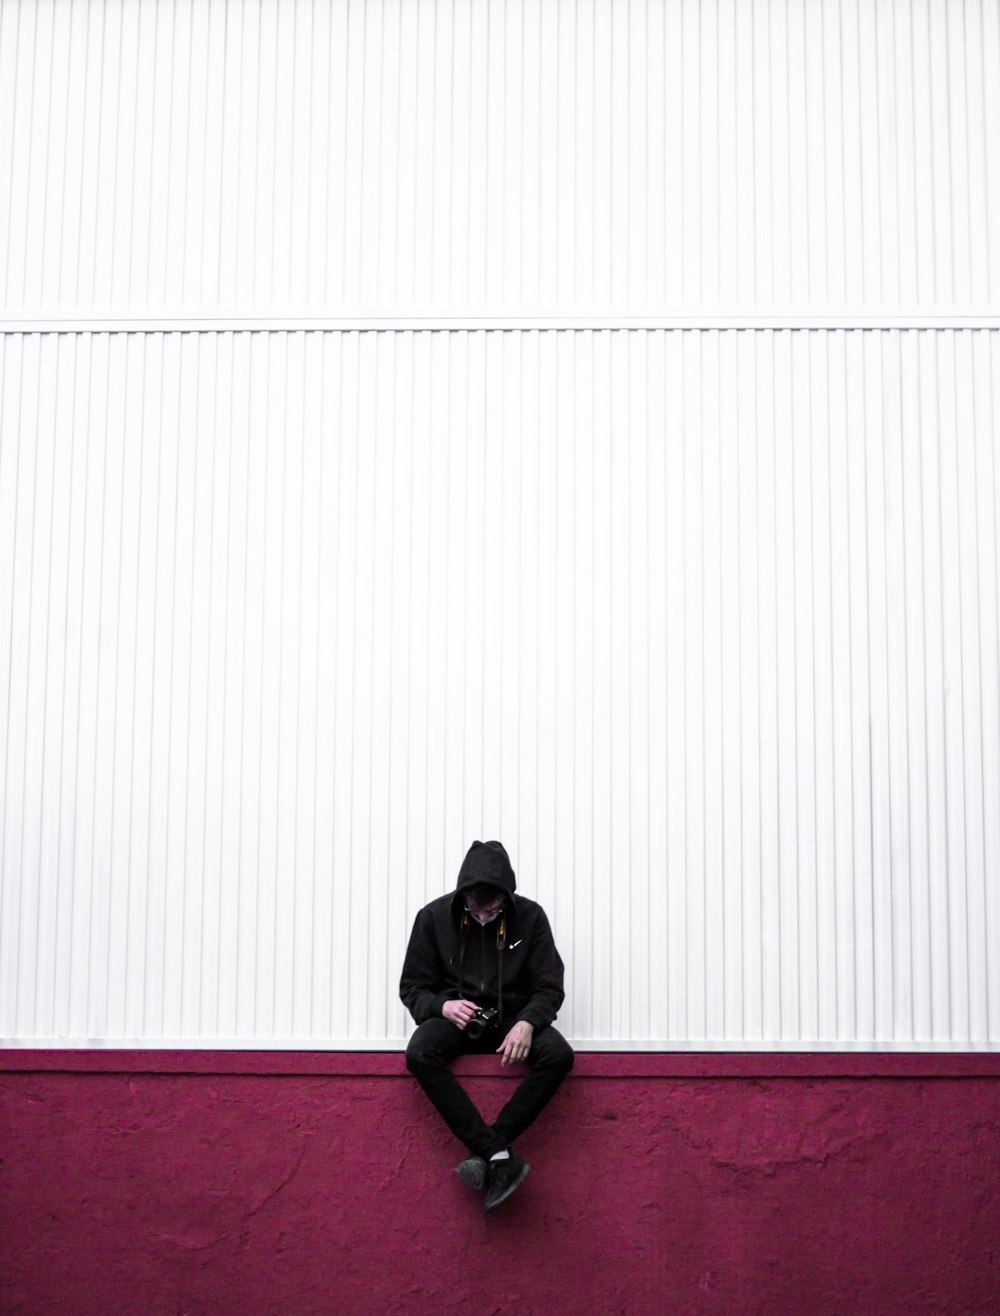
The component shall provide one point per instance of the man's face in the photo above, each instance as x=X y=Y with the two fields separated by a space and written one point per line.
x=484 y=908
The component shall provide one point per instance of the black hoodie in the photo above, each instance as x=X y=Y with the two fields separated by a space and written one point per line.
x=511 y=963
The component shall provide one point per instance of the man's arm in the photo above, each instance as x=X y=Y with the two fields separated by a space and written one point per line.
x=545 y=973
x=423 y=973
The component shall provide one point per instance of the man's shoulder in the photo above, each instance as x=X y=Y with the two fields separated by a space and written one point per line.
x=527 y=908
x=438 y=906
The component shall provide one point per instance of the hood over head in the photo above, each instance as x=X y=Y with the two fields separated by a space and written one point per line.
x=487 y=863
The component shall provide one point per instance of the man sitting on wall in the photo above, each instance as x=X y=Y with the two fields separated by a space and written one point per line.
x=482 y=974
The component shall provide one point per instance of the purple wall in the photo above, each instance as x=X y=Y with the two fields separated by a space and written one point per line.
x=194 y=1182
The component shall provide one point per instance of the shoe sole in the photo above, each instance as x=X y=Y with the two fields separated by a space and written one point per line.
x=525 y=1171
x=472 y=1173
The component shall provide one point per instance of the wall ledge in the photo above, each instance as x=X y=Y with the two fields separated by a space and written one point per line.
x=617 y=1065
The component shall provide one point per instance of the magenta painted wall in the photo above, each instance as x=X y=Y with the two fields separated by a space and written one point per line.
x=294 y=1184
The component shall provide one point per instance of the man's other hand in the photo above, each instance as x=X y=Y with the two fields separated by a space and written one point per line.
x=459 y=1012
x=516 y=1044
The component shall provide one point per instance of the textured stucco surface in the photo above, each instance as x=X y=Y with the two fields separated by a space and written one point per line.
x=286 y=1193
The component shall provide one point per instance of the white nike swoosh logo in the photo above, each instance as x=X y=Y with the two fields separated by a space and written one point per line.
x=515 y=944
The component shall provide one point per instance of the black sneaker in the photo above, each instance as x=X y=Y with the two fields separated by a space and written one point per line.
x=472 y=1172
x=502 y=1177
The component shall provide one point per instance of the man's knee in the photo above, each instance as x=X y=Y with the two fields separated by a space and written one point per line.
x=554 y=1052
x=565 y=1058
x=426 y=1046
x=420 y=1053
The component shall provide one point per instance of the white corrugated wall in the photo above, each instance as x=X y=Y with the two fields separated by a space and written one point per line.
x=576 y=423
x=192 y=157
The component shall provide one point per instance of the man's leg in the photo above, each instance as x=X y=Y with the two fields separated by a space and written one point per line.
x=550 y=1060
x=432 y=1048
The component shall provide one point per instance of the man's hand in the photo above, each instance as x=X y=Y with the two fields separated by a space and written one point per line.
x=517 y=1043
x=459 y=1012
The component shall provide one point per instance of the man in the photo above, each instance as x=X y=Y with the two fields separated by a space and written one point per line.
x=481 y=949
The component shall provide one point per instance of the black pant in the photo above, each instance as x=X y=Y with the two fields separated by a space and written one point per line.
x=437 y=1042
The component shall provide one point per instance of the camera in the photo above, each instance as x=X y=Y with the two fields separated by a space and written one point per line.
x=480 y=1021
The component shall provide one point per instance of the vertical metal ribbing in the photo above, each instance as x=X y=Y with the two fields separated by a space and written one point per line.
x=838 y=134
x=197 y=915
x=9 y=486
x=97 y=862
x=970 y=570
x=76 y=896
x=47 y=826
x=990 y=483
x=817 y=610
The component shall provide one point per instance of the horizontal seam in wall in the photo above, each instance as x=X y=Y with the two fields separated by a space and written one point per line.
x=186 y=322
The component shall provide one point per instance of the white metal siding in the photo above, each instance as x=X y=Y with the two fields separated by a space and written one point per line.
x=578 y=156
x=703 y=625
